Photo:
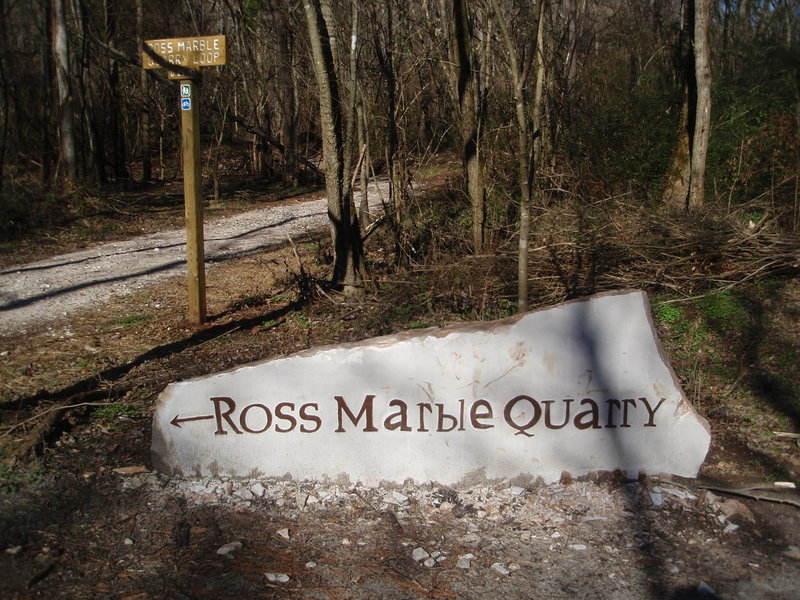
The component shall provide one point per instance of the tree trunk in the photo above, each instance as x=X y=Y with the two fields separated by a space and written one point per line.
x=363 y=144
x=119 y=150
x=345 y=232
x=525 y=150
x=676 y=190
x=45 y=142
x=702 y=122
x=384 y=49
x=4 y=108
x=289 y=173
x=684 y=190
x=469 y=120
x=66 y=114
x=350 y=134
x=144 y=116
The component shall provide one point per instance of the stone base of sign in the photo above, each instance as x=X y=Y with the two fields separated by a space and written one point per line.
x=577 y=388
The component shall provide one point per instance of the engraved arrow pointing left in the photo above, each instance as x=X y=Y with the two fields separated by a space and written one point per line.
x=177 y=421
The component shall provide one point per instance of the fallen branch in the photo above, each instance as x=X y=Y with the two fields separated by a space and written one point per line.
x=749 y=493
x=41 y=434
x=50 y=410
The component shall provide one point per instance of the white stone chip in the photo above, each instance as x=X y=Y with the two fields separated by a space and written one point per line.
x=730 y=528
x=683 y=495
x=395 y=497
x=420 y=554
x=465 y=561
x=244 y=494
x=234 y=546
x=500 y=568
x=656 y=497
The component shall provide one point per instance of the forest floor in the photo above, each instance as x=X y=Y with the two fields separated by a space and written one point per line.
x=83 y=515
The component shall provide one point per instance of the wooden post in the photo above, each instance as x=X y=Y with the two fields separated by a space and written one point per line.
x=193 y=199
x=191 y=54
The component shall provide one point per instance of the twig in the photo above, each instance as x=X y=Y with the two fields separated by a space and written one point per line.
x=41 y=574
x=324 y=293
x=224 y=333
x=296 y=255
x=52 y=409
x=387 y=515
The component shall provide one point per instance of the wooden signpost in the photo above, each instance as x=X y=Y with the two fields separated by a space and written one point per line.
x=188 y=55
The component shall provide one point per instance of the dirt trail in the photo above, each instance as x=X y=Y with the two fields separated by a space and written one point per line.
x=37 y=292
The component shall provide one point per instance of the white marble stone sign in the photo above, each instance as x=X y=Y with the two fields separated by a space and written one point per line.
x=580 y=387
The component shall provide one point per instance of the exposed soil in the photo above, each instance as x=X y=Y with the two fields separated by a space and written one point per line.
x=87 y=518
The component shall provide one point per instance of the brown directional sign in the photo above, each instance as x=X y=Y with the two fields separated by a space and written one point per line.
x=190 y=52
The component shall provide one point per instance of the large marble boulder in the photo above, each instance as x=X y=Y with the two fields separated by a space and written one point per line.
x=580 y=387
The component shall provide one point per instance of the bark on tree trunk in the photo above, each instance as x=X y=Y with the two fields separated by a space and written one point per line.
x=702 y=123
x=345 y=232
x=469 y=122
x=526 y=157
x=146 y=140
x=685 y=186
x=287 y=107
x=120 y=154
x=363 y=142
x=4 y=109
x=66 y=114
x=676 y=190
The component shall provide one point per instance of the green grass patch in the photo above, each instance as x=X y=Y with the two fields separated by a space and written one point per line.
x=668 y=314
x=14 y=478
x=116 y=411
x=132 y=320
x=302 y=320
x=724 y=312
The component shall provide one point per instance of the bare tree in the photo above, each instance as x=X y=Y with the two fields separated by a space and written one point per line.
x=468 y=89
x=144 y=83
x=66 y=111
x=685 y=185
x=345 y=232
x=288 y=105
x=520 y=69
x=702 y=117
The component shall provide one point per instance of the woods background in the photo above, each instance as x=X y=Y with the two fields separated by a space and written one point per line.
x=544 y=103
